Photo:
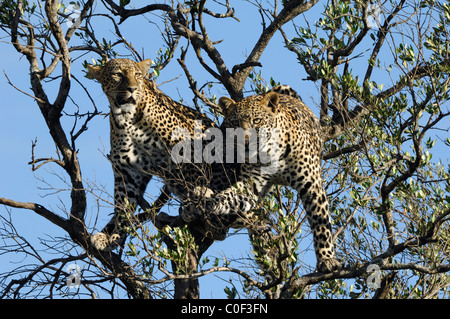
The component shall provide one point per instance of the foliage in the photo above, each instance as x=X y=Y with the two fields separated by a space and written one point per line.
x=382 y=75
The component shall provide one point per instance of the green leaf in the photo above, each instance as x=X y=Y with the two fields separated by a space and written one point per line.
x=123 y=3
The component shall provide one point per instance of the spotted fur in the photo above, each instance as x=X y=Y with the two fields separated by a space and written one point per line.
x=142 y=121
x=295 y=160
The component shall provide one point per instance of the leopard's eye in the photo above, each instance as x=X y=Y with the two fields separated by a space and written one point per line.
x=257 y=120
x=138 y=75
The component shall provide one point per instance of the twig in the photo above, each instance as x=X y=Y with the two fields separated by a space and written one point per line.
x=21 y=91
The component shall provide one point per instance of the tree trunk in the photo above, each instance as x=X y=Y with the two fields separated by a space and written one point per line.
x=188 y=288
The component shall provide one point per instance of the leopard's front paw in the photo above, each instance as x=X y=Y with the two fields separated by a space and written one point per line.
x=103 y=242
x=100 y=241
x=202 y=192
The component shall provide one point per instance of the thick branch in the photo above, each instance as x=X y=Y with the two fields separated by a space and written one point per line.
x=233 y=82
x=126 y=13
x=291 y=9
x=51 y=9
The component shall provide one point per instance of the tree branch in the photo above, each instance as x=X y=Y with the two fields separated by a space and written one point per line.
x=38 y=209
x=296 y=284
x=290 y=10
x=364 y=108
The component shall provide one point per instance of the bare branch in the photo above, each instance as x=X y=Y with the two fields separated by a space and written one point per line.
x=23 y=92
x=192 y=82
x=38 y=209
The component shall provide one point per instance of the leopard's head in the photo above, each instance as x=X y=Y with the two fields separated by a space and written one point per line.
x=122 y=80
x=252 y=112
x=256 y=115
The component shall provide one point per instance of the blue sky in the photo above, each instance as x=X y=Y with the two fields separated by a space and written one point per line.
x=21 y=122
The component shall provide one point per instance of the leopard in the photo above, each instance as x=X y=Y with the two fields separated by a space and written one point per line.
x=288 y=132
x=142 y=124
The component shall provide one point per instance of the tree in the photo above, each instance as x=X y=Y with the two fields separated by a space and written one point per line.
x=381 y=71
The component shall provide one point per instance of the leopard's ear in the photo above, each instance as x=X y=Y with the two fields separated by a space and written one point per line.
x=270 y=101
x=226 y=106
x=93 y=72
x=144 y=66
